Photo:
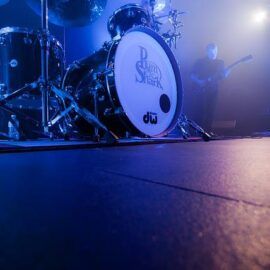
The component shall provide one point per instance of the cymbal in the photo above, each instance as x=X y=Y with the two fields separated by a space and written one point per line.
x=71 y=13
x=3 y=2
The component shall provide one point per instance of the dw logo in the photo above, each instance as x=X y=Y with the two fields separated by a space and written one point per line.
x=150 y=118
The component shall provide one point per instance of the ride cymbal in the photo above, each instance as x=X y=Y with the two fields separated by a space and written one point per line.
x=3 y=2
x=71 y=13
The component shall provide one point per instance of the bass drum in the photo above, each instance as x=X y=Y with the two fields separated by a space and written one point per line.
x=137 y=84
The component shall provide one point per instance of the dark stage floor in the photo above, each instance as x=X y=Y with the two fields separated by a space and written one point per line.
x=166 y=206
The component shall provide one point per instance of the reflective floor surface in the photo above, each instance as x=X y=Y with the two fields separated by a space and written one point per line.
x=166 y=206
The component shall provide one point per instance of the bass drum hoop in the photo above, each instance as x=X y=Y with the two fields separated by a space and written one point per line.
x=111 y=84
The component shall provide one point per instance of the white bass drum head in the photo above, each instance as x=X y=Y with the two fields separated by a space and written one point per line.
x=148 y=82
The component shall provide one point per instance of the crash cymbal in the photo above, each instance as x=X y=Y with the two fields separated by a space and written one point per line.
x=3 y=2
x=71 y=13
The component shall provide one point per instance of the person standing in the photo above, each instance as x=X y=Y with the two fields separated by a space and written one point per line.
x=206 y=75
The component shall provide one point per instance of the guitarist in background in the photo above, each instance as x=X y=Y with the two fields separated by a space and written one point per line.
x=206 y=74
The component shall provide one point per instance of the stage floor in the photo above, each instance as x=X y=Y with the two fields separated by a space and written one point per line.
x=192 y=205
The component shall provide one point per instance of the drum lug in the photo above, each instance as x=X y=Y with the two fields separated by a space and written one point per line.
x=107 y=46
x=101 y=76
x=3 y=41
x=69 y=89
x=13 y=63
x=3 y=90
x=111 y=26
x=113 y=112
x=110 y=112
x=101 y=98
x=143 y=21
x=28 y=40
x=119 y=111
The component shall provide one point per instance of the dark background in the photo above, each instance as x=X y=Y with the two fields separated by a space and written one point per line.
x=244 y=96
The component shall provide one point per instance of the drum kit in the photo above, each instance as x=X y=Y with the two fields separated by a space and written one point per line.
x=130 y=87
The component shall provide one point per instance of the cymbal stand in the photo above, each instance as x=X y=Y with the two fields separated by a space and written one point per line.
x=174 y=15
x=45 y=53
x=45 y=86
x=43 y=83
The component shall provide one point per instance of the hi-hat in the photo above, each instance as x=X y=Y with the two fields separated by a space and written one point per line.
x=70 y=13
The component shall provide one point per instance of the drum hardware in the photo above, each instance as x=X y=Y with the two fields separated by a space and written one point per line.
x=8 y=97
x=173 y=17
x=171 y=36
x=5 y=136
x=184 y=124
x=23 y=116
x=45 y=54
x=3 y=90
x=97 y=93
x=7 y=108
x=28 y=51
x=98 y=97
x=28 y=87
x=44 y=83
x=3 y=41
x=171 y=39
x=84 y=113
x=95 y=98
x=106 y=85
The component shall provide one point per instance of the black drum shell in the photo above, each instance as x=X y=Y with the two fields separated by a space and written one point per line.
x=20 y=64
x=127 y=17
x=20 y=58
x=80 y=81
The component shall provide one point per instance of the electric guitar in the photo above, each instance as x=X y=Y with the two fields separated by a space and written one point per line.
x=223 y=73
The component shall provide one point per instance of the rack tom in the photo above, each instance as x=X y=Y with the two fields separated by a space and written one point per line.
x=20 y=58
x=126 y=17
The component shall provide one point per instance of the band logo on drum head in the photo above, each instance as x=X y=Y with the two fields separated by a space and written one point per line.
x=148 y=72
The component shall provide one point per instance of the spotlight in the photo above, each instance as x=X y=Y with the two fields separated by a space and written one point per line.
x=260 y=16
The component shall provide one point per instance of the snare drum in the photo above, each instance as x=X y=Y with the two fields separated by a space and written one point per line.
x=126 y=17
x=136 y=81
